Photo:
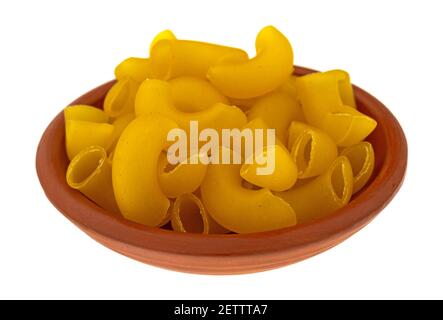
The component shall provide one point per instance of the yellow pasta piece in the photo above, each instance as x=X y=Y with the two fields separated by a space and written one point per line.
x=189 y=215
x=347 y=126
x=268 y=70
x=191 y=94
x=120 y=98
x=136 y=69
x=154 y=97
x=135 y=170
x=163 y=35
x=119 y=125
x=90 y=173
x=182 y=178
x=361 y=156
x=312 y=150
x=344 y=87
x=82 y=134
x=85 y=113
x=175 y=58
x=239 y=209
x=278 y=110
x=282 y=178
x=322 y=96
x=322 y=195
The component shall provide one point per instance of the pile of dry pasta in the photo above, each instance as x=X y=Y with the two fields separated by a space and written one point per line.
x=118 y=154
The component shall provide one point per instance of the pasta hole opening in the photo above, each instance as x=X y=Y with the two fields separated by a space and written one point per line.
x=87 y=164
x=303 y=156
x=191 y=216
x=338 y=182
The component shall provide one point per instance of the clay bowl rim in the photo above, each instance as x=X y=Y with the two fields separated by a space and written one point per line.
x=333 y=228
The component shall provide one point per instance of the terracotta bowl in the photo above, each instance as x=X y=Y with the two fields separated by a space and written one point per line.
x=226 y=254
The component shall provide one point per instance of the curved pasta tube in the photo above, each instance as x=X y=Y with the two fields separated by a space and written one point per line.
x=362 y=159
x=347 y=126
x=312 y=150
x=134 y=68
x=119 y=125
x=137 y=69
x=322 y=98
x=163 y=35
x=278 y=110
x=189 y=215
x=175 y=58
x=283 y=176
x=182 y=178
x=85 y=113
x=90 y=173
x=191 y=94
x=322 y=195
x=322 y=92
x=82 y=134
x=135 y=170
x=344 y=87
x=242 y=210
x=268 y=70
x=154 y=97
x=120 y=98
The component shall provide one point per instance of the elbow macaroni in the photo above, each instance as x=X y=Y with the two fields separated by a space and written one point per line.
x=312 y=150
x=285 y=170
x=120 y=98
x=239 y=209
x=154 y=97
x=85 y=113
x=322 y=195
x=176 y=58
x=136 y=69
x=81 y=134
x=322 y=96
x=362 y=159
x=135 y=170
x=241 y=78
x=90 y=173
x=183 y=178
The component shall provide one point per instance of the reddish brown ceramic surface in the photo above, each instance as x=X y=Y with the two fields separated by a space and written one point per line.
x=226 y=254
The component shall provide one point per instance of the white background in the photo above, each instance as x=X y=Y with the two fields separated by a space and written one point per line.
x=53 y=51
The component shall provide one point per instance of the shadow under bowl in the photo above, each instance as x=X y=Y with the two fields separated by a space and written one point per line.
x=233 y=253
